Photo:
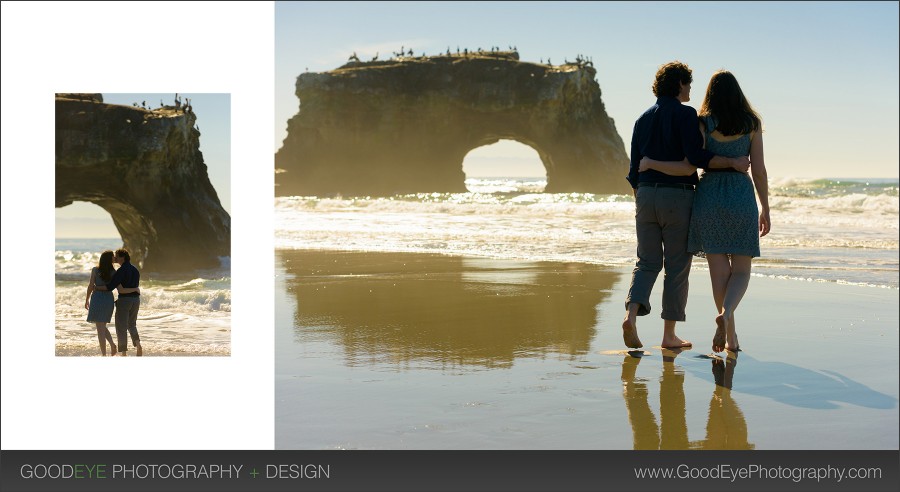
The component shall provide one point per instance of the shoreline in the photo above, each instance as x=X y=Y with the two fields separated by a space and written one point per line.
x=698 y=265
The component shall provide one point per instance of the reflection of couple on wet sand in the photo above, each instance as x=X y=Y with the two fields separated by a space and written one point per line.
x=100 y=303
x=726 y=427
x=719 y=221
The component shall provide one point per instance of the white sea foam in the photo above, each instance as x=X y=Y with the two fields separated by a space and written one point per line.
x=819 y=221
x=856 y=210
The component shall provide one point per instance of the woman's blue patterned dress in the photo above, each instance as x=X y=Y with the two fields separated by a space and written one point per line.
x=102 y=302
x=725 y=218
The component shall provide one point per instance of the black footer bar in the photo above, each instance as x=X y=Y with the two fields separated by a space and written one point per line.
x=471 y=471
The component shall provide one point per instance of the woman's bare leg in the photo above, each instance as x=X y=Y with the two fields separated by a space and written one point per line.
x=719 y=275
x=737 y=287
x=109 y=338
x=101 y=327
x=732 y=343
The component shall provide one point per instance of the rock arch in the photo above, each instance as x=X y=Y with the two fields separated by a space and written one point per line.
x=379 y=128
x=145 y=168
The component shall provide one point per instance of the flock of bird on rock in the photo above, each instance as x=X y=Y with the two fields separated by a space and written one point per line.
x=580 y=60
x=178 y=106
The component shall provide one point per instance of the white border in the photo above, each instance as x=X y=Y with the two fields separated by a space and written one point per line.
x=51 y=402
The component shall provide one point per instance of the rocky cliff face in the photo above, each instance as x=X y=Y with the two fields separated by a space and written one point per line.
x=145 y=168
x=405 y=125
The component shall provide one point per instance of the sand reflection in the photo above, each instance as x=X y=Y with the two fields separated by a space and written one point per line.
x=726 y=427
x=432 y=311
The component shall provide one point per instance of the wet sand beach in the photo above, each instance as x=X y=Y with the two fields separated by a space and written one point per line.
x=422 y=351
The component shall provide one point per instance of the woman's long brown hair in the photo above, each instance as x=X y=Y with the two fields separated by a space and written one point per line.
x=725 y=101
x=105 y=266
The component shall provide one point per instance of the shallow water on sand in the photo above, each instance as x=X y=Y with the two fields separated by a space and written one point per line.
x=422 y=351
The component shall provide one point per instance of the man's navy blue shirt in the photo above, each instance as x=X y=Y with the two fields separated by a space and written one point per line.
x=128 y=276
x=668 y=131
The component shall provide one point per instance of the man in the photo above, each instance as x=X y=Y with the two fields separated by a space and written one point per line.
x=668 y=131
x=127 y=305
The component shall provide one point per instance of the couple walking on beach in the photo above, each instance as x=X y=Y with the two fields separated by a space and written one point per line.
x=99 y=301
x=679 y=215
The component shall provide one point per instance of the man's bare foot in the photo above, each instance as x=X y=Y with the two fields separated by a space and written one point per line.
x=629 y=334
x=138 y=351
x=675 y=343
x=669 y=354
x=718 y=342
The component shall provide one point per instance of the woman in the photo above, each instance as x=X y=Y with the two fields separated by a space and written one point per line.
x=726 y=223
x=100 y=304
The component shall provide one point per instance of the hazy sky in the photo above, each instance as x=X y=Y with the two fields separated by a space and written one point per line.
x=823 y=75
x=82 y=219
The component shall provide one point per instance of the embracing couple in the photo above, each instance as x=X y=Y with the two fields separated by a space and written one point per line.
x=99 y=300
x=679 y=215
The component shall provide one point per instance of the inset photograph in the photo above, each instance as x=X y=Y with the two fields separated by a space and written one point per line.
x=143 y=229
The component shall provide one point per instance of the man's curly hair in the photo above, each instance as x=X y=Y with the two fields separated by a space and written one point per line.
x=669 y=78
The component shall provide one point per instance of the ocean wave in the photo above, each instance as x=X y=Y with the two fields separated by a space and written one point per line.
x=189 y=285
x=74 y=259
x=853 y=229
x=824 y=240
x=534 y=205
x=76 y=263
x=855 y=209
x=814 y=279
x=190 y=302
x=852 y=209
x=824 y=188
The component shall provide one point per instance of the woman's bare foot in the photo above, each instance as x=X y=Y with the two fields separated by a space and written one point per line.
x=730 y=363
x=629 y=334
x=629 y=368
x=112 y=350
x=718 y=342
x=731 y=341
x=675 y=343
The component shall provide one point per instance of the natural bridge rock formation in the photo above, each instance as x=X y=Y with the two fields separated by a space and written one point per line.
x=145 y=168
x=405 y=125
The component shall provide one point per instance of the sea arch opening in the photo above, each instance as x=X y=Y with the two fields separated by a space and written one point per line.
x=83 y=231
x=95 y=216
x=85 y=220
x=504 y=159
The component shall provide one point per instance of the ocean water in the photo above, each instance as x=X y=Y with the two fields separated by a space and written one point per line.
x=823 y=230
x=180 y=315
